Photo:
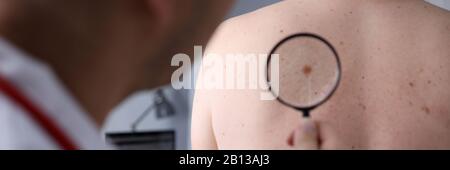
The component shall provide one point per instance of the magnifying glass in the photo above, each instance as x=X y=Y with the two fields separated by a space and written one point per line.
x=309 y=71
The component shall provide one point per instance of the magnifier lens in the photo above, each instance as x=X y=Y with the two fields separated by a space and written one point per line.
x=308 y=71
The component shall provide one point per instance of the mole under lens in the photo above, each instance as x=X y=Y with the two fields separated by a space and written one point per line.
x=308 y=71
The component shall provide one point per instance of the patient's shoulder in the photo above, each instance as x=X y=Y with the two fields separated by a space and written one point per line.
x=258 y=30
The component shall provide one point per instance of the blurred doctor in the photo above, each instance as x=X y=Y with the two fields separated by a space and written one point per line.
x=65 y=64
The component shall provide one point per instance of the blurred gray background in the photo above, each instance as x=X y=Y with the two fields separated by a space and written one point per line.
x=244 y=6
x=124 y=115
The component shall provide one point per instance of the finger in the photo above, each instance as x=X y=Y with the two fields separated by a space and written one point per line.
x=290 y=140
x=306 y=136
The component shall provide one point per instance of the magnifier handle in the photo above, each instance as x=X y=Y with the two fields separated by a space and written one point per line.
x=306 y=114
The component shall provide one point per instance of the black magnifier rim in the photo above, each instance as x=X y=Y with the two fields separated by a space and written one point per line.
x=306 y=35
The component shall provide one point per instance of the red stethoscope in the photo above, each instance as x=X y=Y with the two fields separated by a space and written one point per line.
x=37 y=115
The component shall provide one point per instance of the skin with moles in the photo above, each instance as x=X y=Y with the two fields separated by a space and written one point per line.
x=394 y=88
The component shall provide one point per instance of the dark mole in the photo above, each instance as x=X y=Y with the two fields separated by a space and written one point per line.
x=362 y=106
x=341 y=42
x=429 y=82
x=411 y=84
x=307 y=70
x=363 y=77
x=281 y=31
x=399 y=7
x=410 y=103
x=426 y=109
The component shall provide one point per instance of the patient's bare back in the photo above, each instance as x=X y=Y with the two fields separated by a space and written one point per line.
x=394 y=91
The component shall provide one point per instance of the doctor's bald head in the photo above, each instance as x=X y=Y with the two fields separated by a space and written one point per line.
x=104 y=50
x=125 y=34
